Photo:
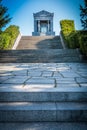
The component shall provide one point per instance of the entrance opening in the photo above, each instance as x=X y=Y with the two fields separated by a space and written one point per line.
x=43 y=27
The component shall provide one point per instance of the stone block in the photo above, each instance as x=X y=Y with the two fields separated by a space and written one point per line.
x=71 y=111
x=40 y=80
x=70 y=85
x=81 y=80
x=47 y=73
x=65 y=81
x=11 y=87
x=22 y=112
x=70 y=74
x=83 y=74
x=40 y=83
x=16 y=80
x=24 y=93
x=83 y=84
x=34 y=73
x=20 y=72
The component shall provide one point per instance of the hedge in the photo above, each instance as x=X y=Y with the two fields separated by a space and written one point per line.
x=5 y=40
x=83 y=42
x=73 y=39
x=67 y=26
x=8 y=37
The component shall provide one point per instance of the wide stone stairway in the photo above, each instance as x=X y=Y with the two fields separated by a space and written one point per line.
x=42 y=86
x=40 y=49
x=39 y=42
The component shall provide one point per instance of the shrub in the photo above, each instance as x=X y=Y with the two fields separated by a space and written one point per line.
x=83 y=42
x=5 y=40
x=67 y=26
x=67 y=30
x=8 y=37
x=73 y=40
x=13 y=31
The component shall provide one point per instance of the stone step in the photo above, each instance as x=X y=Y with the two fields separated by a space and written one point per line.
x=66 y=52
x=40 y=56
x=34 y=46
x=57 y=111
x=46 y=42
x=43 y=52
x=42 y=93
x=40 y=60
x=44 y=126
x=40 y=37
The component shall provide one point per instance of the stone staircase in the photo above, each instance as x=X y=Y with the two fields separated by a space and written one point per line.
x=39 y=42
x=42 y=111
x=47 y=92
x=43 y=92
x=40 y=49
x=39 y=56
x=43 y=105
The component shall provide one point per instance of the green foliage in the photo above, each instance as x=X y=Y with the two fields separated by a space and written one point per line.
x=8 y=37
x=13 y=31
x=4 y=17
x=83 y=14
x=5 y=40
x=67 y=26
x=72 y=40
x=83 y=42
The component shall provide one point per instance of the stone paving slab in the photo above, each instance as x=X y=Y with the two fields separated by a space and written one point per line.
x=81 y=80
x=83 y=85
x=71 y=85
x=16 y=80
x=44 y=75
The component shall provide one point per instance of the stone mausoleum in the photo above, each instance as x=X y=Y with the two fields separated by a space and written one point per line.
x=43 y=23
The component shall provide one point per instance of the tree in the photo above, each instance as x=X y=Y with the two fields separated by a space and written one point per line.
x=83 y=15
x=4 y=17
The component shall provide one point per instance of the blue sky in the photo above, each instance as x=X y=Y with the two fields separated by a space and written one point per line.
x=22 y=11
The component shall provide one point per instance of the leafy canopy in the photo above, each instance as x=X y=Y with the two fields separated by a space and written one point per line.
x=4 y=17
x=83 y=15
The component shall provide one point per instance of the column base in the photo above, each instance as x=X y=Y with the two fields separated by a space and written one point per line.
x=43 y=34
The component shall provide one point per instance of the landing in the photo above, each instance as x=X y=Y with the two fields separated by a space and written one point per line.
x=43 y=76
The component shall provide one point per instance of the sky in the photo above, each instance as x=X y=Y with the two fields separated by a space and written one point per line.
x=22 y=11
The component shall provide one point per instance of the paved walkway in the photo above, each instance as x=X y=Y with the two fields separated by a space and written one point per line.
x=42 y=75
x=48 y=77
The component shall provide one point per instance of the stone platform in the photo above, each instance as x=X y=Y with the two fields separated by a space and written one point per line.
x=43 y=92
x=43 y=75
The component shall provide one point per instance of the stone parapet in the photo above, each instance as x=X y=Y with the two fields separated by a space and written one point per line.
x=16 y=42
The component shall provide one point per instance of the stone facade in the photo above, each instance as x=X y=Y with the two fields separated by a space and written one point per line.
x=43 y=23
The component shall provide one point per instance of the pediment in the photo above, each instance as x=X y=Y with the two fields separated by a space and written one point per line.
x=43 y=13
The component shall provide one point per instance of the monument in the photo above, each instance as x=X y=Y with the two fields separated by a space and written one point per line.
x=43 y=23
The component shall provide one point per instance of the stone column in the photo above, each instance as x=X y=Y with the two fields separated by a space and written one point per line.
x=48 y=25
x=35 y=25
x=51 y=25
x=38 y=25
